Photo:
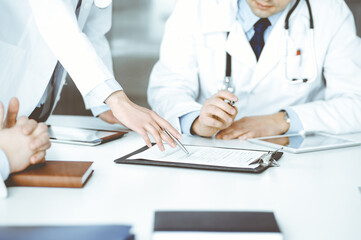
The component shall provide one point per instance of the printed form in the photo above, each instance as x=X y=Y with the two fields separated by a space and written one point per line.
x=211 y=156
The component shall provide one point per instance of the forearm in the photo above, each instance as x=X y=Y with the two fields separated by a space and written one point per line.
x=187 y=121
x=173 y=106
x=341 y=115
x=95 y=99
x=98 y=24
x=59 y=28
x=172 y=93
x=295 y=122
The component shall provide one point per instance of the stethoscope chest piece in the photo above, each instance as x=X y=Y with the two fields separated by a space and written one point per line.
x=226 y=84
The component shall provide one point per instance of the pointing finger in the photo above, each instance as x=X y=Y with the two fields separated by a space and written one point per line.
x=155 y=132
x=166 y=125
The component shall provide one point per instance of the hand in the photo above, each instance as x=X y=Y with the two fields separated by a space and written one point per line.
x=40 y=139
x=37 y=133
x=141 y=120
x=215 y=115
x=28 y=126
x=254 y=127
x=11 y=118
x=23 y=150
x=108 y=117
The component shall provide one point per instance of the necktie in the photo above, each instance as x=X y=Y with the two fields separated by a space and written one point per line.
x=257 y=41
x=42 y=113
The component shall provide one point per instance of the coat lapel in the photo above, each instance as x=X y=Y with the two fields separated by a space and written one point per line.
x=220 y=16
x=239 y=48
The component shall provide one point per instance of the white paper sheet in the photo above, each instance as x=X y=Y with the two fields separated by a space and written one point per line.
x=210 y=156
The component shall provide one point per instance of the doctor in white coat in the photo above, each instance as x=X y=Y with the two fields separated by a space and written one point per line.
x=305 y=79
x=41 y=40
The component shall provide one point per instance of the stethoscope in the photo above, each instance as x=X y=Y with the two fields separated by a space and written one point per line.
x=298 y=54
x=227 y=81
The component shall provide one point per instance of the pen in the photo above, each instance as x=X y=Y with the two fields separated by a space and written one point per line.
x=177 y=141
x=299 y=55
x=231 y=103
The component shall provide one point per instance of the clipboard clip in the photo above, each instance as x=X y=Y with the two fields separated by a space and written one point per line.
x=268 y=159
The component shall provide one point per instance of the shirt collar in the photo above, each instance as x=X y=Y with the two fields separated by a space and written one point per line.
x=247 y=17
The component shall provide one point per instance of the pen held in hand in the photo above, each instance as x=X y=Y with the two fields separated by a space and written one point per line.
x=180 y=145
x=231 y=103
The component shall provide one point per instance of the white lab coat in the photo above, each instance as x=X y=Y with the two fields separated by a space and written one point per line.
x=192 y=63
x=3 y=190
x=35 y=34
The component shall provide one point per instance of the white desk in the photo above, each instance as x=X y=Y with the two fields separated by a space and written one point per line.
x=314 y=195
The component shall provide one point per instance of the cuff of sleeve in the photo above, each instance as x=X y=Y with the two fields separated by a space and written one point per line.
x=4 y=165
x=187 y=120
x=296 y=141
x=99 y=94
x=296 y=124
x=99 y=109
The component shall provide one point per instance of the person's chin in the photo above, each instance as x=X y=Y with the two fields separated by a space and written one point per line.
x=262 y=13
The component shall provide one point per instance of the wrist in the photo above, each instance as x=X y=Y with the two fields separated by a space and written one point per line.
x=116 y=98
x=201 y=130
x=194 y=128
x=283 y=121
x=108 y=117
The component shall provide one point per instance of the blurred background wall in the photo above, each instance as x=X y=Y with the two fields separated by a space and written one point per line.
x=135 y=38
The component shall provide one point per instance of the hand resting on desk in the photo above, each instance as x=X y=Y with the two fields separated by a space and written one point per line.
x=254 y=127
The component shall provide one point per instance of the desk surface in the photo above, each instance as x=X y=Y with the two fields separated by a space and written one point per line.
x=314 y=195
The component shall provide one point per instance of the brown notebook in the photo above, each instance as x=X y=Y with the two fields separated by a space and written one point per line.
x=53 y=174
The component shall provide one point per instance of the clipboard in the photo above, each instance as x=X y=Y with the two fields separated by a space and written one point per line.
x=272 y=156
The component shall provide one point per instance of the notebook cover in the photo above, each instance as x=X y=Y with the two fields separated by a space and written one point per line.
x=52 y=174
x=105 y=232
x=215 y=222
